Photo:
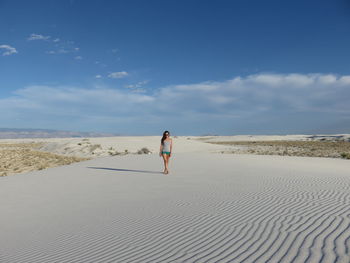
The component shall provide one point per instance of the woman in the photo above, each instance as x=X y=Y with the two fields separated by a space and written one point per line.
x=166 y=146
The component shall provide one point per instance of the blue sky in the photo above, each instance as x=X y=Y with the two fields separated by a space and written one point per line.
x=191 y=67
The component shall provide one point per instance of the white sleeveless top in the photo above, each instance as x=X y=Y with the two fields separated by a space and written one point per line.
x=166 y=146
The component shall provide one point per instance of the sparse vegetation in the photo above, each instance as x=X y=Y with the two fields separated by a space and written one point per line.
x=144 y=150
x=23 y=157
x=322 y=148
x=345 y=155
x=113 y=153
x=95 y=147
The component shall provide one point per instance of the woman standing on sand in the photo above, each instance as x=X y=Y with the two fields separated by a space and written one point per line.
x=166 y=146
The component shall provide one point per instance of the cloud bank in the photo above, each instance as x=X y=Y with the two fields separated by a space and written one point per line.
x=261 y=103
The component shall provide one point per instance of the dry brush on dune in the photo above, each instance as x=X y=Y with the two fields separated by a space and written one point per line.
x=331 y=149
x=24 y=157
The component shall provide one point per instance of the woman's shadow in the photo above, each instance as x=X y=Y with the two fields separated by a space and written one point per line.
x=126 y=170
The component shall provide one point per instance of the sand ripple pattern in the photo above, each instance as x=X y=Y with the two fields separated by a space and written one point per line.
x=235 y=216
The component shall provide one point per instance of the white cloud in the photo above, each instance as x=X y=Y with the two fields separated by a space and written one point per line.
x=293 y=92
x=8 y=50
x=256 y=101
x=63 y=51
x=118 y=75
x=37 y=37
x=327 y=79
x=57 y=46
x=345 y=80
x=100 y=64
x=137 y=87
x=78 y=58
x=98 y=76
x=266 y=79
x=65 y=101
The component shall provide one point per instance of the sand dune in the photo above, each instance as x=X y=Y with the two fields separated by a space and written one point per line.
x=212 y=208
x=23 y=157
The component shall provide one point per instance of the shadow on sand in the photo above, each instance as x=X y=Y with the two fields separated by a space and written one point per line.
x=126 y=170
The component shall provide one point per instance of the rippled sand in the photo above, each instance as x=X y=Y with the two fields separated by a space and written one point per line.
x=210 y=208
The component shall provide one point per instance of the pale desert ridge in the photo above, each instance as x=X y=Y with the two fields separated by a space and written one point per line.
x=212 y=207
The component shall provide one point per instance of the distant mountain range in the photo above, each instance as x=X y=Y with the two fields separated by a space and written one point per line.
x=8 y=133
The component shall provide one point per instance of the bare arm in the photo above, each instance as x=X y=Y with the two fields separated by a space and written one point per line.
x=160 y=150
x=171 y=146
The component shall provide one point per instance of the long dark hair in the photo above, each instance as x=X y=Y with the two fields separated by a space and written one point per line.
x=164 y=137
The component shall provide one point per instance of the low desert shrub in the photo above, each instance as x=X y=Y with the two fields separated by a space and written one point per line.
x=345 y=155
x=144 y=150
x=95 y=147
x=113 y=153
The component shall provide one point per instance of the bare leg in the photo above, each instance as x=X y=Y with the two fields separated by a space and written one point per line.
x=167 y=162
x=165 y=158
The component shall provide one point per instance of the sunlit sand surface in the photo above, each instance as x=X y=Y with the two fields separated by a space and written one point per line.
x=210 y=208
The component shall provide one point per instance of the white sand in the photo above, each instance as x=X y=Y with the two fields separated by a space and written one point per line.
x=211 y=208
